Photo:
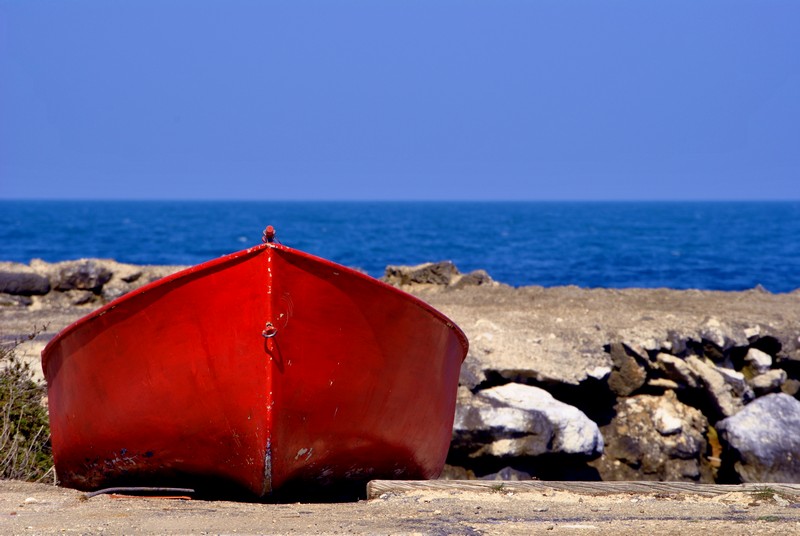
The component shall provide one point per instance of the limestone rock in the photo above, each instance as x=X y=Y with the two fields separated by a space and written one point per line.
x=721 y=393
x=787 y=351
x=654 y=438
x=82 y=275
x=675 y=343
x=20 y=280
x=768 y=382
x=472 y=279
x=628 y=373
x=520 y=420
x=666 y=422
x=472 y=371
x=677 y=370
x=132 y=276
x=443 y=274
x=71 y=298
x=718 y=339
x=485 y=427
x=738 y=383
x=517 y=355
x=429 y=273
x=762 y=441
x=757 y=361
x=663 y=383
x=599 y=373
x=791 y=387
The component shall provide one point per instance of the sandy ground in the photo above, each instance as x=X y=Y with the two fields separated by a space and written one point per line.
x=42 y=509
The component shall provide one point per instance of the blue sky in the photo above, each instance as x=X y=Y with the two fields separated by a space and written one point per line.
x=405 y=99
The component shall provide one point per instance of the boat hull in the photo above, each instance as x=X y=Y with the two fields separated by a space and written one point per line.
x=255 y=372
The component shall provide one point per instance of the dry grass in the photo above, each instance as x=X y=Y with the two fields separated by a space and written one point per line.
x=25 y=452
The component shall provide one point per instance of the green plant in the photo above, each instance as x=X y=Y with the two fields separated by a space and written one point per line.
x=764 y=493
x=25 y=452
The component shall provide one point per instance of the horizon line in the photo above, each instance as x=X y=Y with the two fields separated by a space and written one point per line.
x=402 y=200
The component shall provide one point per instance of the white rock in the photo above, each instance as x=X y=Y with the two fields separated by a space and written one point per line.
x=677 y=369
x=717 y=385
x=769 y=382
x=758 y=361
x=666 y=422
x=752 y=332
x=763 y=436
x=575 y=433
x=599 y=373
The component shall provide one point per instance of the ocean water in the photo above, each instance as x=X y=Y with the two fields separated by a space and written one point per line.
x=705 y=245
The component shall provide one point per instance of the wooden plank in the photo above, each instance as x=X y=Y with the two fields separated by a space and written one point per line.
x=376 y=488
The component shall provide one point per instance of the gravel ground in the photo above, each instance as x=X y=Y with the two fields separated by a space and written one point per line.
x=41 y=509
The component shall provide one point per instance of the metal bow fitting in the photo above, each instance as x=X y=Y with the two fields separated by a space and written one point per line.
x=269 y=234
x=269 y=331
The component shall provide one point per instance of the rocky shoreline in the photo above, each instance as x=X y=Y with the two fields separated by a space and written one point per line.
x=560 y=383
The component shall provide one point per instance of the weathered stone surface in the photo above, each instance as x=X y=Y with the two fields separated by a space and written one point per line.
x=132 y=276
x=787 y=351
x=429 y=273
x=791 y=387
x=443 y=274
x=508 y=351
x=719 y=338
x=22 y=281
x=768 y=382
x=790 y=345
x=628 y=373
x=675 y=343
x=516 y=420
x=598 y=373
x=82 y=275
x=663 y=383
x=102 y=278
x=485 y=427
x=573 y=432
x=666 y=422
x=112 y=292
x=472 y=372
x=738 y=383
x=70 y=298
x=472 y=279
x=762 y=440
x=556 y=335
x=757 y=361
x=677 y=370
x=656 y=438
x=722 y=394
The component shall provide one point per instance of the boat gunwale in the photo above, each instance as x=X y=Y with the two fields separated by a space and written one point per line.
x=410 y=297
x=214 y=263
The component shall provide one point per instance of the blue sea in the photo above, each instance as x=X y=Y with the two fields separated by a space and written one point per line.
x=704 y=245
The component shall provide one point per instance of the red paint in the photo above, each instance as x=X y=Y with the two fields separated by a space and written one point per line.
x=260 y=369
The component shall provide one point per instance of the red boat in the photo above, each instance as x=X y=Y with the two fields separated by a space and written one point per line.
x=260 y=371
